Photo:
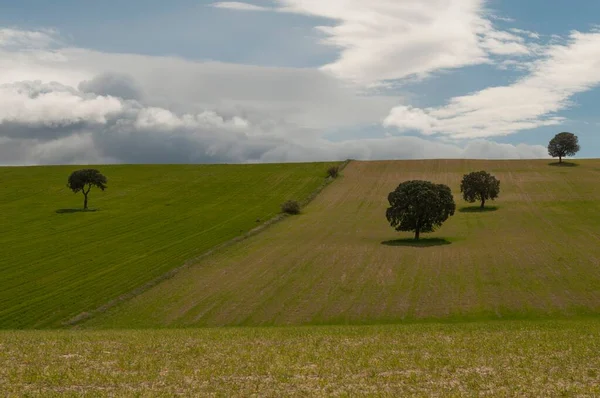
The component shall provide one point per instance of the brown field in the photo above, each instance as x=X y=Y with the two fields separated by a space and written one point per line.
x=537 y=255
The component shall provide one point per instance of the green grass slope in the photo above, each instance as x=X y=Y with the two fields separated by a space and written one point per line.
x=537 y=255
x=506 y=359
x=55 y=265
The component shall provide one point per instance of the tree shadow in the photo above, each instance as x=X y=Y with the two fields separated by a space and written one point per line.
x=423 y=242
x=69 y=211
x=477 y=209
x=563 y=164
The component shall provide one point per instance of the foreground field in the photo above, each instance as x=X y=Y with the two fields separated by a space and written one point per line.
x=537 y=255
x=506 y=358
x=56 y=262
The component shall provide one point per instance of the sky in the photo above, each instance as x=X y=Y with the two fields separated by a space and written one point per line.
x=149 y=81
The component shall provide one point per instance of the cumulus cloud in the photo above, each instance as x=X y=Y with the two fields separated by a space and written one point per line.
x=106 y=129
x=533 y=101
x=304 y=96
x=72 y=105
x=34 y=109
x=71 y=124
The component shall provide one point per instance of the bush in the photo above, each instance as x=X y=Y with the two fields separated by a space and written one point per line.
x=291 y=207
x=333 y=171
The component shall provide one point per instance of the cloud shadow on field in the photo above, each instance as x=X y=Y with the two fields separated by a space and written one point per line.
x=423 y=242
x=563 y=164
x=477 y=209
x=69 y=211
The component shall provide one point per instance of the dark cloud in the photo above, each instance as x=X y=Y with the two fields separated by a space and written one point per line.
x=44 y=132
x=113 y=84
x=53 y=124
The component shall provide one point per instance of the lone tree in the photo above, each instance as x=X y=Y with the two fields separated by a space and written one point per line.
x=563 y=144
x=419 y=206
x=84 y=180
x=479 y=186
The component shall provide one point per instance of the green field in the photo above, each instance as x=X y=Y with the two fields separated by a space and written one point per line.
x=536 y=255
x=507 y=358
x=57 y=263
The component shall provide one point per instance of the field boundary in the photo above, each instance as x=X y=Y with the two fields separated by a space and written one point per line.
x=85 y=316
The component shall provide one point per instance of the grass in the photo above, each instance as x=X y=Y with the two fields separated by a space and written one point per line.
x=563 y=164
x=423 y=242
x=536 y=256
x=58 y=261
x=529 y=261
x=477 y=209
x=70 y=211
x=509 y=358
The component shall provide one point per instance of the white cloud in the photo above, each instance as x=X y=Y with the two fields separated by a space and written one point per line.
x=531 y=102
x=412 y=119
x=126 y=131
x=404 y=148
x=28 y=38
x=52 y=105
x=528 y=33
x=236 y=5
x=71 y=105
x=389 y=39
x=496 y=17
x=503 y=43
x=304 y=97
x=485 y=149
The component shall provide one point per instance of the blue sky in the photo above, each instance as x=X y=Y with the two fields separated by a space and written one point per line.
x=288 y=80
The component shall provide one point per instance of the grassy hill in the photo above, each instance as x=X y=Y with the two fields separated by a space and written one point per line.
x=537 y=255
x=56 y=262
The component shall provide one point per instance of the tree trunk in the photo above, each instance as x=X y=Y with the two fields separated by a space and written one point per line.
x=482 y=203
x=417 y=231
x=85 y=201
x=559 y=159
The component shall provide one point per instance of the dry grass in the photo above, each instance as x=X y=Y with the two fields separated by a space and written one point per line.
x=537 y=255
x=518 y=358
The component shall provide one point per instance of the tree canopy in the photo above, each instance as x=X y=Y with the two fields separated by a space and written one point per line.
x=83 y=181
x=563 y=144
x=419 y=206
x=479 y=186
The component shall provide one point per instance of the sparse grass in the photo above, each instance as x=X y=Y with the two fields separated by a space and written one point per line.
x=501 y=358
x=57 y=260
x=538 y=255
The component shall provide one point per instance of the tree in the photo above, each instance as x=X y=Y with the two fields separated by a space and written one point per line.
x=480 y=186
x=563 y=144
x=83 y=180
x=419 y=206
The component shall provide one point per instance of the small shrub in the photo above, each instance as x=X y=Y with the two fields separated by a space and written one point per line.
x=291 y=207
x=333 y=172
